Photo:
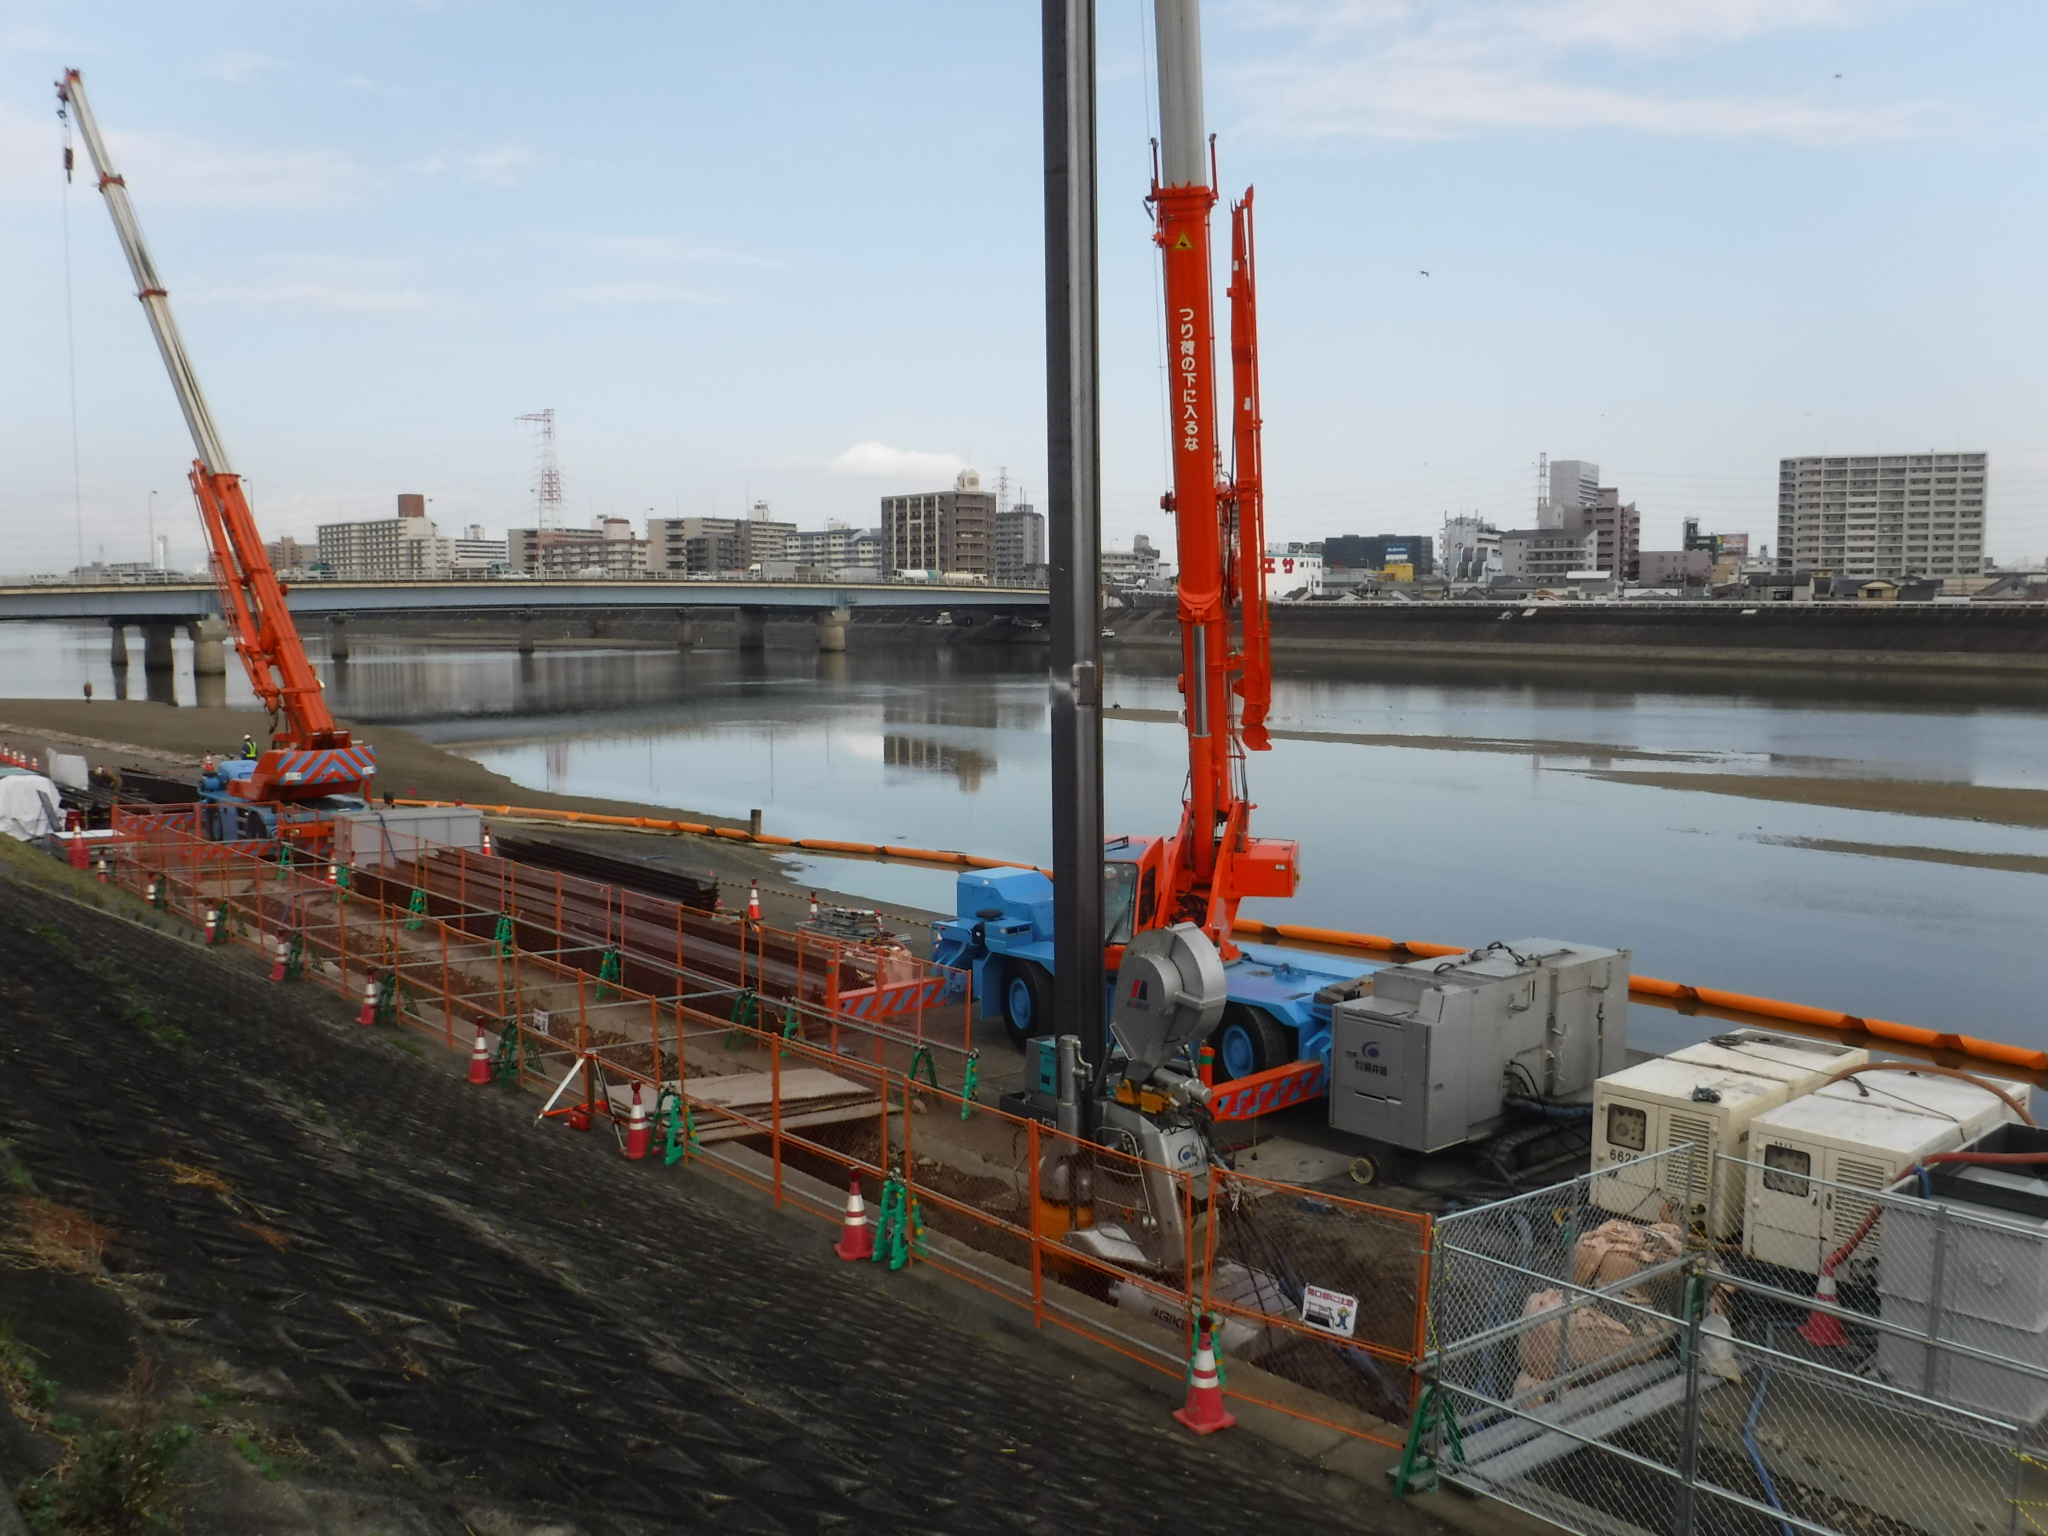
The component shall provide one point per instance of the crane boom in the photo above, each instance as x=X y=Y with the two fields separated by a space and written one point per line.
x=309 y=755
x=1219 y=521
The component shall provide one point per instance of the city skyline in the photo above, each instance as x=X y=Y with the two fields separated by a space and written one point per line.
x=1640 y=238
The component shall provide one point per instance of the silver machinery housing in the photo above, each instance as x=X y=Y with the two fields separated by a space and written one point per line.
x=1429 y=1058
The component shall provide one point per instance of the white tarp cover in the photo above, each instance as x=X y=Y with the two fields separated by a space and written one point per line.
x=70 y=770
x=28 y=807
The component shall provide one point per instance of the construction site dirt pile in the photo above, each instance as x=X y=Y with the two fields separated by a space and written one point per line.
x=427 y=1314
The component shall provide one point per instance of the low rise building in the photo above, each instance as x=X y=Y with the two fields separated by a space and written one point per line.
x=606 y=550
x=1471 y=550
x=1676 y=567
x=1136 y=567
x=1375 y=552
x=1293 y=573
x=717 y=546
x=1546 y=555
x=475 y=554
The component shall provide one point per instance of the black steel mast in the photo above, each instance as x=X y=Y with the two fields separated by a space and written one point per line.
x=1074 y=525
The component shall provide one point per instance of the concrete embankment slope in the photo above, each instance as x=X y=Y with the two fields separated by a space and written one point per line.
x=2009 y=638
x=423 y=1313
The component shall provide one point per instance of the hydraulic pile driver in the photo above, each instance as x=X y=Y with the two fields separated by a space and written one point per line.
x=312 y=769
x=1275 y=1019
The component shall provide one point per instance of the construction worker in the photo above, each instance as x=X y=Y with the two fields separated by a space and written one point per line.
x=249 y=748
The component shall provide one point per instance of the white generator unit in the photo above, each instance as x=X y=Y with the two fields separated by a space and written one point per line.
x=1864 y=1133
x=1429 y=1059
x=1706 y=1094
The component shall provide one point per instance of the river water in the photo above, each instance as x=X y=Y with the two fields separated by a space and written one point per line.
x=1485 y=816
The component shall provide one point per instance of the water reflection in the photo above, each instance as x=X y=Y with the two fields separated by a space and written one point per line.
x=924 y=755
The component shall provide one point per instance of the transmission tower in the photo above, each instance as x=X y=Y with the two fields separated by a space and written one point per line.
x=547 y=490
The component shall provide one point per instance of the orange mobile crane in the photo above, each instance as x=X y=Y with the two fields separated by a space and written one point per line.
x=311 y=768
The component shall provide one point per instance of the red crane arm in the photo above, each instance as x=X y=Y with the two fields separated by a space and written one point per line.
x=1247 y=482
x=251 y=598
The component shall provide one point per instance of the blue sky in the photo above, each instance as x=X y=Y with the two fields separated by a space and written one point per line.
x=792 y=251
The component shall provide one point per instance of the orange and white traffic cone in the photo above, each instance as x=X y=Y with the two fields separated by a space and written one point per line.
x=637 y=1129
x=212 y=922
x=283 y=952
x=369 y=1014
x=151 y=897
x=101 y=869
x=1824 y=1329
x=480 y=1060
x=856 y=1237
x=753 y=901
x=333 y=874
x=1204 y=1412
x=814 y=907
x=487 y=843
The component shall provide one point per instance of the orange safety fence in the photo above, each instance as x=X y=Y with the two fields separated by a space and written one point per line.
x=1319 y=1298
x=1649 y=988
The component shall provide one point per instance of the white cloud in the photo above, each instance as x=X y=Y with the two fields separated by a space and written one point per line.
x=500 y=167
x=176 y=168
x=333 y=298
x=878 y=459
x=669 y=248
x=239 y=66
x=654 y=291
x=1394 y=69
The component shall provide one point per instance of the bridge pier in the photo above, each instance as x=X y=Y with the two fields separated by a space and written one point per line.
x=526 y=632
x=832 y=624
x=337 y=637
x=209 y=653
x=156 y=648
x=119 y=652
x=686 y=631
x=753 y=629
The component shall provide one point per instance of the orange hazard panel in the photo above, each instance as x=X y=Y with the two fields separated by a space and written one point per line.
x=1267 y=867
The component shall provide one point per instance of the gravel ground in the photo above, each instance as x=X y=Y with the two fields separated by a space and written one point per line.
x=470 y=1324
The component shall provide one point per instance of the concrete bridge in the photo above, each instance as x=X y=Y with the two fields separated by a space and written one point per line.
x=160 y=609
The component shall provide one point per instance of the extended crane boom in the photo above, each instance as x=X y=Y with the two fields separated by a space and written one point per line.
x=309 y=756
x=1219 y=521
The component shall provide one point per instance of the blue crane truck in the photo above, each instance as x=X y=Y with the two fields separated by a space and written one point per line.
x=1279 y=999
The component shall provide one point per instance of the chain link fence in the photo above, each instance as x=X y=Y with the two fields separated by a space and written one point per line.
x=1881 y=1367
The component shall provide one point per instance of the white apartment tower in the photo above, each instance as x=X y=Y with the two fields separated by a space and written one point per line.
x=1889 y=515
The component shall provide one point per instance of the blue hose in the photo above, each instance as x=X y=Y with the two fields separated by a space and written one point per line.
x=1756 y=1409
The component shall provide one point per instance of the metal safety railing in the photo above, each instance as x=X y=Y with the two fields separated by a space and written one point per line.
x=760 y=1059
x=1601 y=1361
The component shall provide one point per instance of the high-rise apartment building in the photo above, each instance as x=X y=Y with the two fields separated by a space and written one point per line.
x=607 y=549
x=404 y=547
x=1020 y=547
x=1889 y=515
x=709 y=546
x=1574 y=487
x=948 y=531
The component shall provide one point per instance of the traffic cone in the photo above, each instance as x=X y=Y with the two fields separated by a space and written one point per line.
x=369 y=1014
x=277 y=965
x=333 y=874
x=480 y=1060
x=212 y=922
x=1204 y=1412
x=101 y=870
x=856 y=1237
x=753 y=901
x=1824 y=1329
x=487 y=843
x=151 y=897
x=637 y=1130
x=814 y=907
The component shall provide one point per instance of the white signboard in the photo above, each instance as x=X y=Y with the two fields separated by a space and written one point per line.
x=1331 y=1311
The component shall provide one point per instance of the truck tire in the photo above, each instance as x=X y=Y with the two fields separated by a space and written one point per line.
x=1027 y=1000
x=1250 y=1040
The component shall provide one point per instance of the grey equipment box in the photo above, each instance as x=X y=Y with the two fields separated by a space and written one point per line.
x=1426 y=1061
x=384 y=836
